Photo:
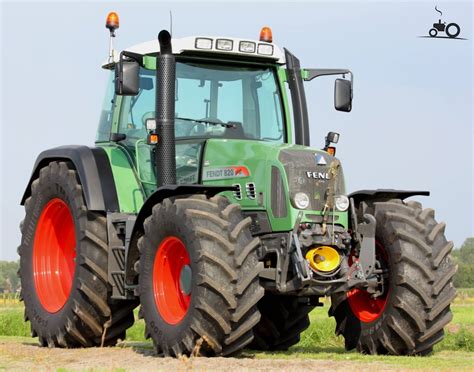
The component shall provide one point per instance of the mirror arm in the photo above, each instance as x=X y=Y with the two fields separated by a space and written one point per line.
x=316 y=72
x=134 y=56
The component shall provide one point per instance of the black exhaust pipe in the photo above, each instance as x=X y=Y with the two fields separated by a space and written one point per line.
x=165 y=150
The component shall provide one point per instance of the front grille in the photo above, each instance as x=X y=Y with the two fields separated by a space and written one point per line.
x=238 y=191
x=279 y=209
x=298 y=164
x=250 y=188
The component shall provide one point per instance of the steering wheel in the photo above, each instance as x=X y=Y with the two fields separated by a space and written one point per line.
x=200 y=128
x=215 y=120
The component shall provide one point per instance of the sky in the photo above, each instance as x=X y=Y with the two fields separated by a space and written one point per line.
x=411 y=126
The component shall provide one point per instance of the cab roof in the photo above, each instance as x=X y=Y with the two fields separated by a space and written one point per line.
x=212 y=45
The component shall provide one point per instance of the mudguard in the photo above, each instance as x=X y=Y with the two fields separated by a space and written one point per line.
x=168 y=191
x=99 y=191
x=383 y=194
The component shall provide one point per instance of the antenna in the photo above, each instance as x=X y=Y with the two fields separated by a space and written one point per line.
x=171 y=23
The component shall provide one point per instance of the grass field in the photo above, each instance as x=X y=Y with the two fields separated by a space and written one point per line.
x=318 y=341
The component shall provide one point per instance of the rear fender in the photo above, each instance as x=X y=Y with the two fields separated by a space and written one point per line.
x=99 y=190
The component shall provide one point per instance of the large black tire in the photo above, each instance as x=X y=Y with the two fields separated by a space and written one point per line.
x=453 y=30
x=433 y=32
x=284 y=318
x=420 y=285
x=87 y=317
x=224 y=285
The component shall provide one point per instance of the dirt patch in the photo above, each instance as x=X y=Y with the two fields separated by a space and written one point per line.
x=139 y=357
x=455 y=328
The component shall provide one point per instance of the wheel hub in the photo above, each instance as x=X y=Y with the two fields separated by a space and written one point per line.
x=54 y=253
x=185 y=279
x=172 y=280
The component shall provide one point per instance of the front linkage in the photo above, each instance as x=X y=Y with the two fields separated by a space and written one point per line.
x=293 y=273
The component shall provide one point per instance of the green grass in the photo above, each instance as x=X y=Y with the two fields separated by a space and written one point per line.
x=320 y=337
x=12 y=323
x=136 y=332
x=468 y=292
x=463 y=314
x=444 y=360
x=319 y=341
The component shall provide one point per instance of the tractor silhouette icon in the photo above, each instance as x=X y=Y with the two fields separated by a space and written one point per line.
x=452 y=29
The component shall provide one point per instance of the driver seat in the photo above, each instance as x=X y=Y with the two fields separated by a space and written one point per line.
x=236 y=132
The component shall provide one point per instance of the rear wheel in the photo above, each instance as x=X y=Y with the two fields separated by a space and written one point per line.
x=63 y=266
x=284 y=318
x=453 y=30
x=409 y=317
x=199 y=277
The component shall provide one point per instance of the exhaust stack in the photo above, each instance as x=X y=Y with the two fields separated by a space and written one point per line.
x=164 y=112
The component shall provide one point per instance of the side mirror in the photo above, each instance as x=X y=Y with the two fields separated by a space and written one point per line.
x=332 y=137
x=343 y=95
x=127 y=78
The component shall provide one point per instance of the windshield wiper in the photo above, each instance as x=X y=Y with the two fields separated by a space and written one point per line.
x=230 y=124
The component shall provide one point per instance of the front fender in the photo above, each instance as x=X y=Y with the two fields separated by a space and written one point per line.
x=170 y=191
x=158 y=196
x=383 y=195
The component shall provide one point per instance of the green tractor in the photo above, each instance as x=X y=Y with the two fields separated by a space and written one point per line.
x=203 y=203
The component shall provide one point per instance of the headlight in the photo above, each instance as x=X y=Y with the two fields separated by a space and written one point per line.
x=301 y=200
x=342 y=203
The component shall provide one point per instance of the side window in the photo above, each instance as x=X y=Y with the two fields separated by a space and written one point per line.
x=136 y=109
x=105 y=121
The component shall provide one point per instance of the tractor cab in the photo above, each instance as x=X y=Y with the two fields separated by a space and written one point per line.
x=226 y=89
x=230 y=96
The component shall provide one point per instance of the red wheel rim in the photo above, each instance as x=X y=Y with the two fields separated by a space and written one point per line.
x=170 y=265
x=54 y=252
x=363 y=306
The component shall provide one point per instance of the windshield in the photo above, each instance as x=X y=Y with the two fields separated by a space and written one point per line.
x=212 y=101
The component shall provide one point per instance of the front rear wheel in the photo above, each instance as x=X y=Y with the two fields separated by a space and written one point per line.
x=63 y=266
x=414 y=307
x=199 y=277
x=283 y=320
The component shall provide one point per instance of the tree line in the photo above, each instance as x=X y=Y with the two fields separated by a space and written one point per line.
x=9 y=281
x=464 y=257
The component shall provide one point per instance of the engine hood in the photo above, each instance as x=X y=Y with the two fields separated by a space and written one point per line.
x=273 y=173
